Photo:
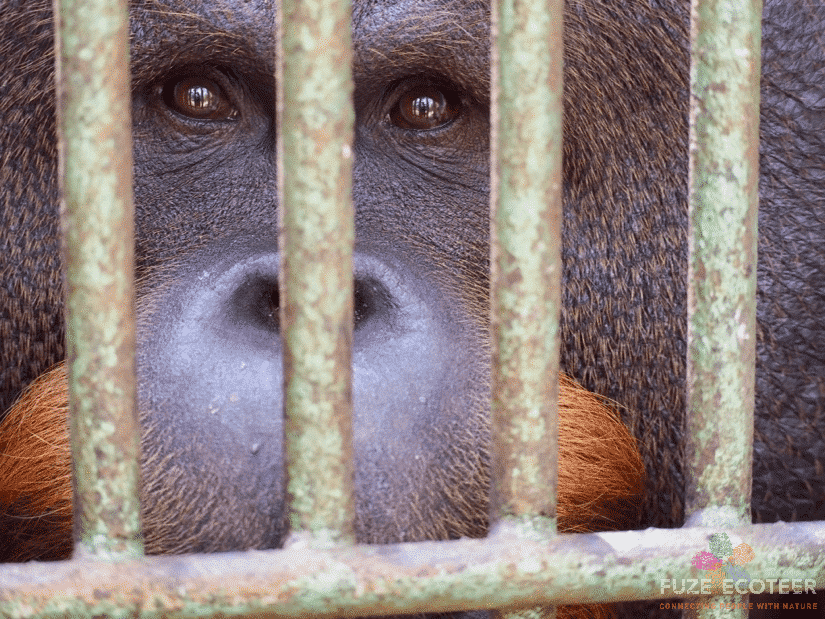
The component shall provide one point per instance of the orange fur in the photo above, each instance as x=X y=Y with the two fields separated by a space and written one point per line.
x=600 y=477
x=36 y=473
x=600 y=470
x=600 y=473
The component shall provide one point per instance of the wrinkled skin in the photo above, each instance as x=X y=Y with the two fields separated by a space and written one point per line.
x=208 y=355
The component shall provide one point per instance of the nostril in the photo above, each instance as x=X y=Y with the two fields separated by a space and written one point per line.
x=256 y=302
x=371 y=300
x=272 y=304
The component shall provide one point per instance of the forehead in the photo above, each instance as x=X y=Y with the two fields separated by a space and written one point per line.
x=450 y=37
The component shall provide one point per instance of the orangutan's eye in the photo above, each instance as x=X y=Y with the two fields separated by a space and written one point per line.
x=424 y=107
x=199 y=98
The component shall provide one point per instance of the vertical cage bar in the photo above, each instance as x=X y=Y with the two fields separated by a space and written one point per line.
x=525 y=201
x=723 y=200
x=316 y=118
x=526 y=259
x=724 y=169
x=94 y=116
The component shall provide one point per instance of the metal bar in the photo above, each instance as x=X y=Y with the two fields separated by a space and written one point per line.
x=723 y=201
x=94 y=116
x=724 y=171
x=315 y=113
x=456 y=575
x=525 y=278
x=526 y=255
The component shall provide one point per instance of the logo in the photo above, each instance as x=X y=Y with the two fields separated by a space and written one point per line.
x=726 y=574
x=724 y=562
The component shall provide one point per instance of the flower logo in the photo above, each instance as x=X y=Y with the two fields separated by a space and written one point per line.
x=705 y=561
x=724 y=562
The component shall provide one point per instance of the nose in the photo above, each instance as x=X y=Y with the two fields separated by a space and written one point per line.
x=211 y=377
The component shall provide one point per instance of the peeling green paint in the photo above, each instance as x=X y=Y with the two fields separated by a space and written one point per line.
x=315 y=166
x=724 y=171
x=97 y=216
x=723 y=200
x=526 y=96
x=517 y=566
x=525 y=261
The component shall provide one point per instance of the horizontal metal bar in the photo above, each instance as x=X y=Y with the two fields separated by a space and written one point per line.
x=97 y=216
x=501 y=571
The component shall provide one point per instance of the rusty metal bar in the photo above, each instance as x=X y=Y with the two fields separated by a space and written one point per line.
x=457 y=575
x=315 y=114
x=525 y=278
x=94 y=120
x=724 y=171
x=526 y=256
x=723 y=201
